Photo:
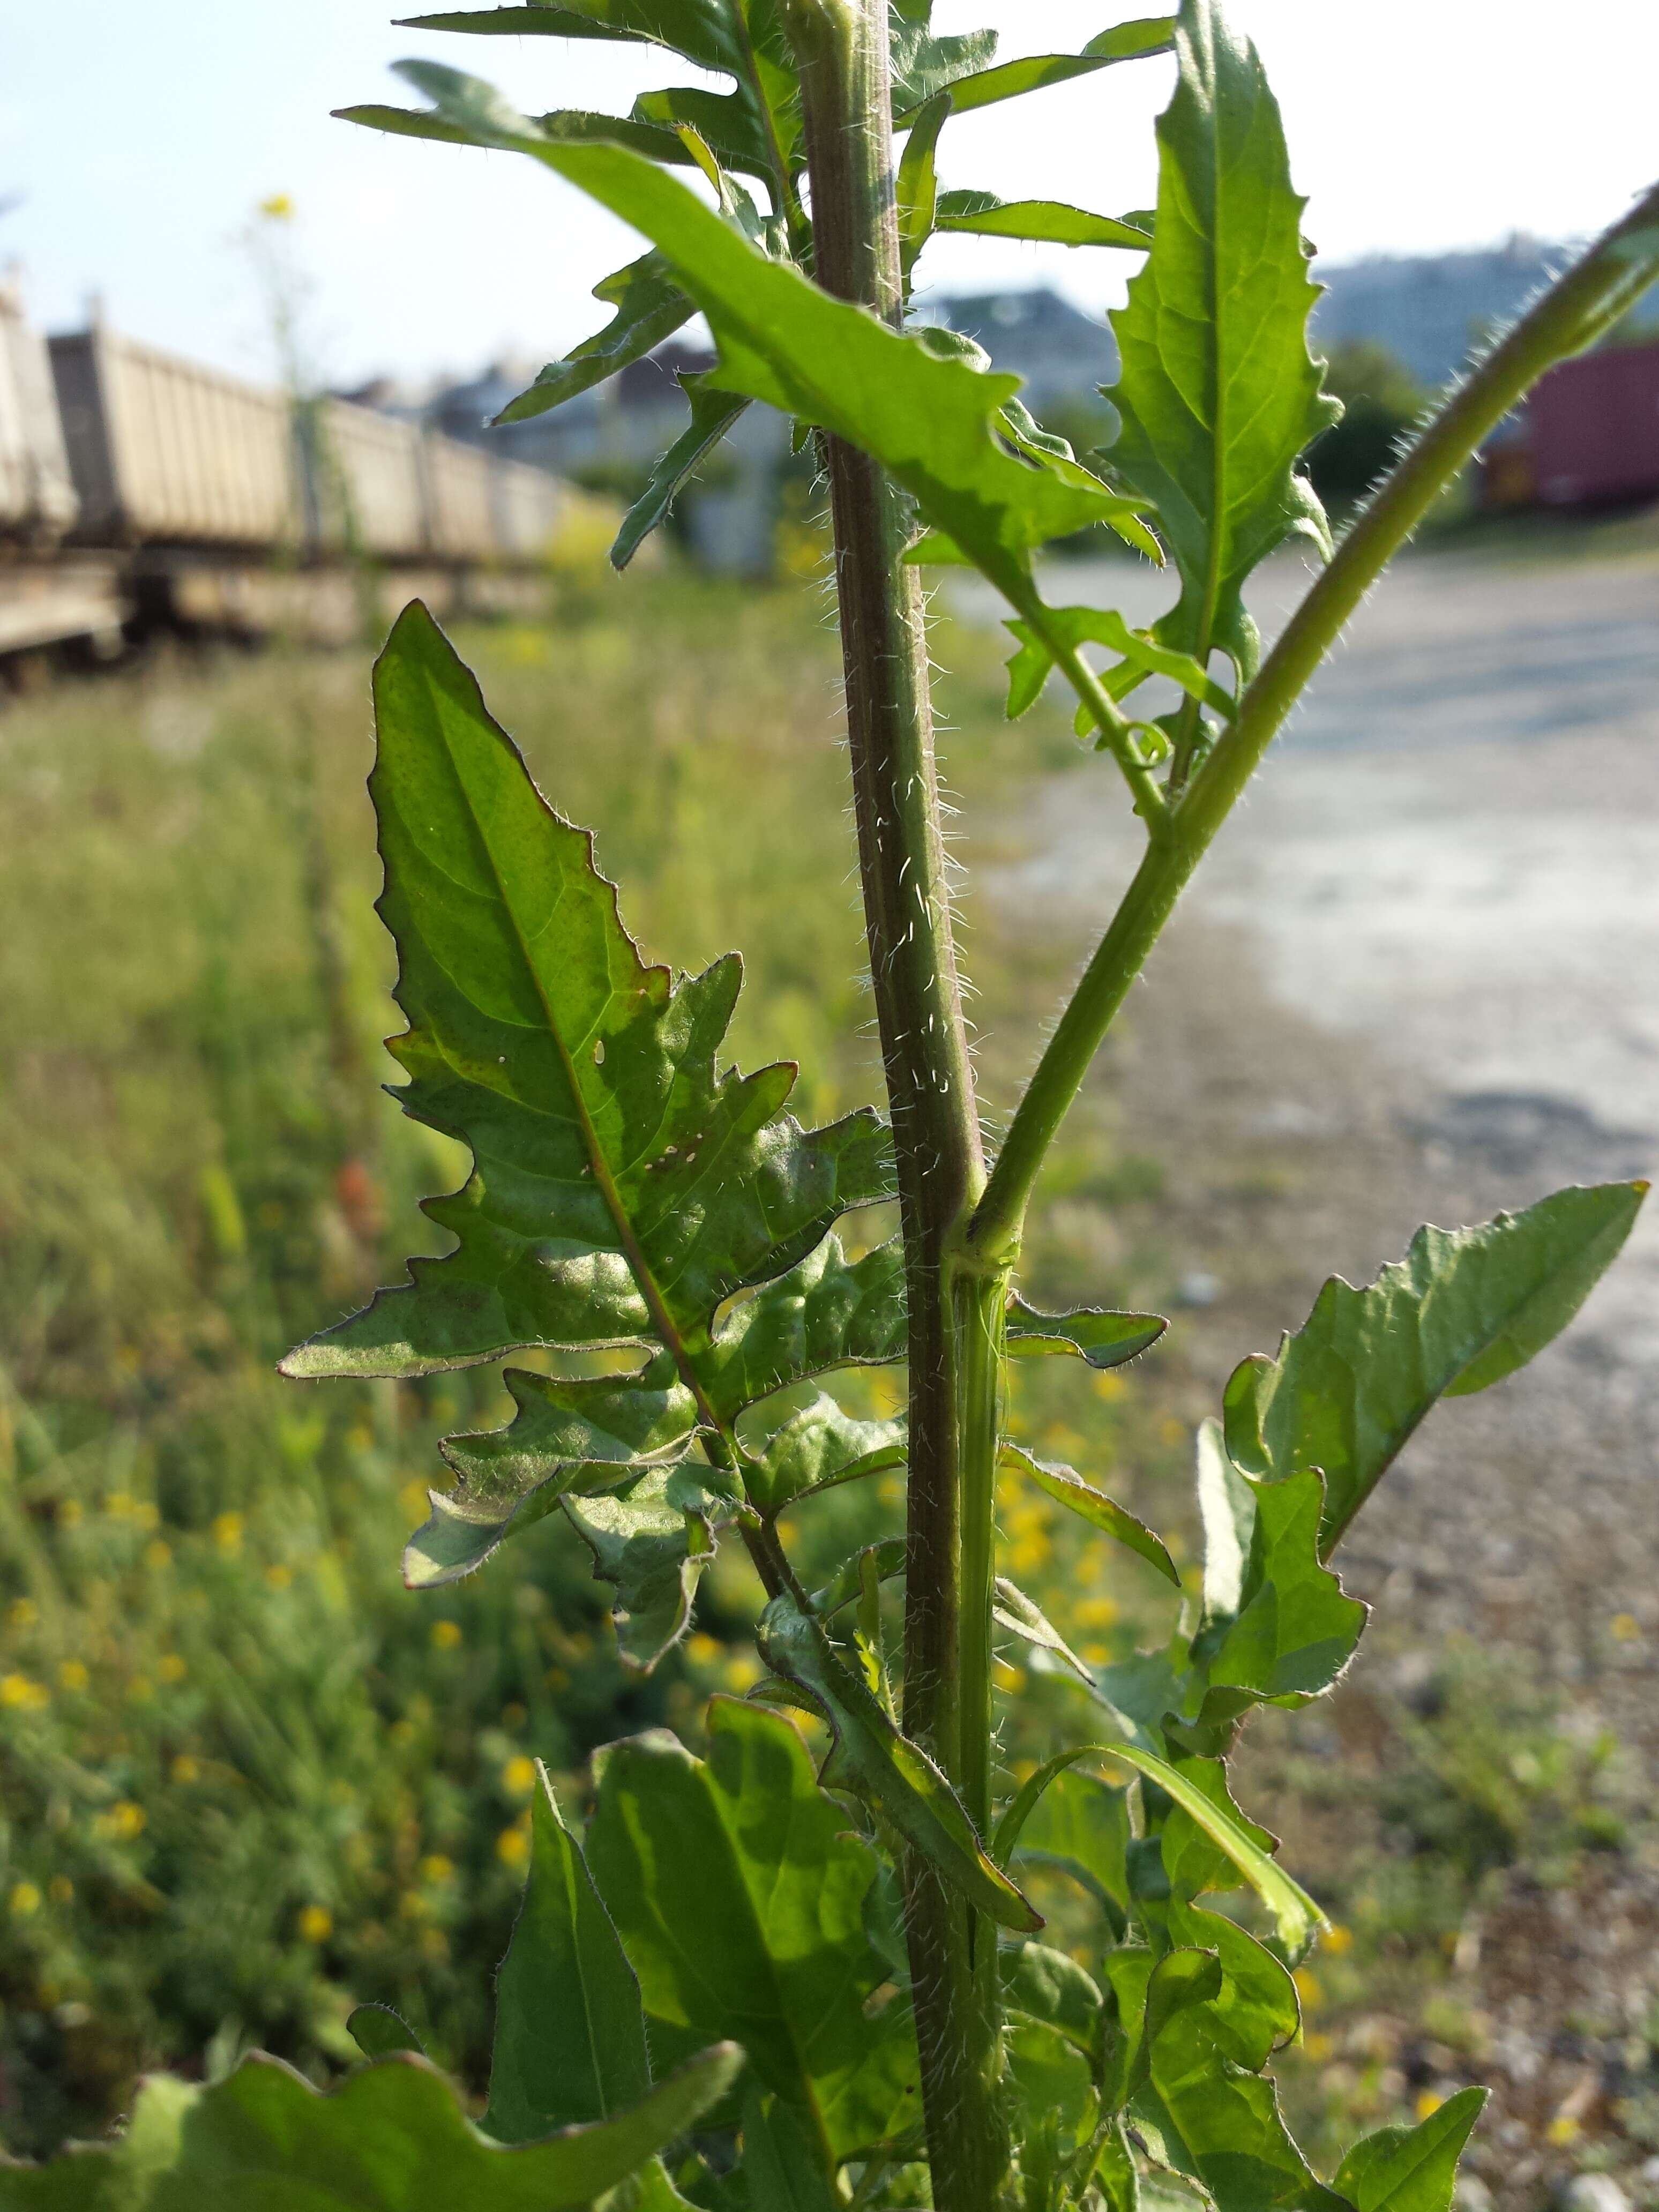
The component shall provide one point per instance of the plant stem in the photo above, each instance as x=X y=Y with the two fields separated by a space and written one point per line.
x=1576 y=310
x=841 y=49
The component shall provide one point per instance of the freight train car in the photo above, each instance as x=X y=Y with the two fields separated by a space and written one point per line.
x=142 y=488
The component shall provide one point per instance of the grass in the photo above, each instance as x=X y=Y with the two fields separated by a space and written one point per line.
x=247 y=1780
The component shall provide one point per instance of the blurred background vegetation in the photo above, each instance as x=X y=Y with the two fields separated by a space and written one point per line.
x=247 y=1781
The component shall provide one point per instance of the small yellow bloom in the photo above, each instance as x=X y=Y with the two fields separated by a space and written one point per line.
x=158 y=1555
x=25 y=1899
x=704 y=1651
x=1339 y=1940
x=69 y=1513
x=513 y=1847
x=118 y=1505
x=171 y=1667
x=741 y=1673
x=147 y=1514
x=1318 y=2047
x=1429 y=2102
x=1096 y=1613
x=518 y=1776
x=277 y=1574
x=1626 y=1629
x=141 y=1689
x=446 y=1635
x=19 y=1691
x=72 y=1676
x=279 y=207
x=124 y=1822
x=1563 y=2129
x=1109 y=1387
x=415 y=1500
x=1308 y=1988
x=22 y=1612
x=61 y=1890
x=411 y=1906
x=315 y=1923
x=228 y=1531
x=435 y=1867
x=185 y=1770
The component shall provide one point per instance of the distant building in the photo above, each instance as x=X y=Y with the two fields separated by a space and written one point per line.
x=1433 y=311
x=1062 y=354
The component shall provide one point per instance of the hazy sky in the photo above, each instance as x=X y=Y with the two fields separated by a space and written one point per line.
x=143 y=135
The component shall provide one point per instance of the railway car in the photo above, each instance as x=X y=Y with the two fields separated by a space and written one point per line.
x=139 y=490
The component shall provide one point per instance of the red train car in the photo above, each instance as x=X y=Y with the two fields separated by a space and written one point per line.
x=1592 y=429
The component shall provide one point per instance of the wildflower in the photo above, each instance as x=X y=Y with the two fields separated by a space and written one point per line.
x=72 y=1676
x=22 y=1612
x=1626 y=1629
x=315 y=1923
x=435 y=1867
x=277 y=1574
x=1563 y=2129
x=446 y=1635
x=415 y=1500
x=158 y=1555
x=123 y=1823
x=1429 y=2102
x=279 y=207
x=140 y=1689
x=704 y=1651
x=741 y=1671
x=1109 y=1387
x=69 y=1513
x=1308 y=1988
x=28 y=1695
x=171 y=1667
x=118 y=1505
x=147 y=1514
x=185 y=1770
x=1339 y=1940
x=228 y=1531
x=518 y=1776
x=1318 y=2048
x=25 y=1899
x=512 y=1846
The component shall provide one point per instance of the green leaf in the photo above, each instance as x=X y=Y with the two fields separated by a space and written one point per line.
x=1218 y=391
x=650 y=306
x=378 y=2031
x=1296 y=1916
x=1077 y=1823
x=1104 y=1339
x=569 y=2031
x=872 y=1759
x=1464 y=1308
x=391 y=2137
x=818 y=1447
x=1051 y=222
x=1412 y=2169
x=781 y=2170
x=578 y=126
x=728 y=123
x=918 y=181
x=1279 y=1628
x=1015 y=1612
x=1054 y=2099
x=621 y=1190
x=1221 y=2123
x=1011 y=80
x=1143 y=656
x=928 y=420
x=1051 y=1987
x=1069 y=1489
x=1255 y=2011
x=740 y=1896
x=705 y=31
x=713 y=414
x=646 y=1542
x=922 y=65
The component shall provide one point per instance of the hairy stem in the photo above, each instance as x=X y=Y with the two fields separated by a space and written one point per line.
x=841 y=48
x=1576 y=310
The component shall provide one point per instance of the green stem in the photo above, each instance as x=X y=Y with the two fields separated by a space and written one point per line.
x=841 y=49
x=1584 y=302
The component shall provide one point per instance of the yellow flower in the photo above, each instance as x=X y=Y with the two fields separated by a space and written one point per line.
x=1318 y=2048
x=1109 y=1387
x=147 y=1514
x=1563 y=2129
x=171 y=1667
x=118 y=1505
x=228 y=1531
x=185 y=1770
x=741 y=1671
x=704 y=1651
x=1429 y=2101
x=279 y=207
x=513 y=1847
x=518 y=1776
x=412 y=1905
x=277 y=1574
x=158 y=1555
x=122 y=1822
x=61 y=1890
x=69 y=1513
x=18 y=1690
x=22 y=1612
x=1308 y=1988
x=1626 y=1629
x=1339 y=1940
x=72 y=1676
x=435 y=1867
x=446 y=1635
x=1096 y=1612
x=315 y=1923
x=140 y=1689
x=25 y=1899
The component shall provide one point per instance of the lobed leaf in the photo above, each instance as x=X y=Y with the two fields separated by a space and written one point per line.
x=818 y=1447
x=1142 y=656
x=1104 y=1339
x=1412 y=2169
x=871 y=1758
x=713 y=414
x=377 y=2031
x=983 y=88
x=1013 y=1610
x=650 y=306
x=1069 y=1490
x=569 y=2029
x=651 y=1541
x=391 y=2137
x=1077 y=1823
x=739 y=1896
x=1048 y=222
x=1218 y=391
x=708 y=31
x=1464 y=1308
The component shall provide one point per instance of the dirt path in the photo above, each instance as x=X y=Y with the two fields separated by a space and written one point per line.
x=1419 y=980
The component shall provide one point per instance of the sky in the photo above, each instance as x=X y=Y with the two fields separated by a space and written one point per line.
x=141 y=138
